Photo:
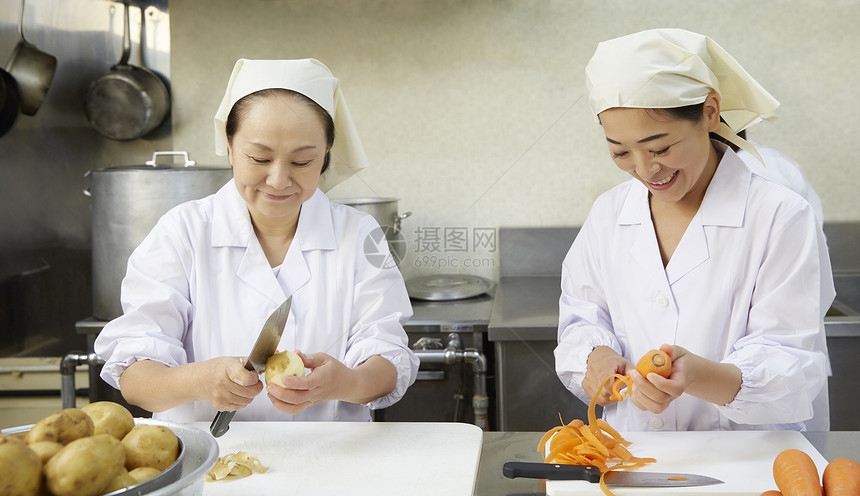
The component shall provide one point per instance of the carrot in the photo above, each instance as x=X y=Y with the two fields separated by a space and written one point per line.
x=795 y=474
x=657 y=361
x=772 y=492
x=595 y=443
x=842 y=478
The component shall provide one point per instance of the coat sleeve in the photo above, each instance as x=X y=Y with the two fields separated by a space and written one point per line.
x=380 y=309
x=783 y=356
x=156 y=308
x=584 y=321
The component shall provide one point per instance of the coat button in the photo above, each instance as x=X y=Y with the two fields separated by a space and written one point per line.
x=661 y=301
x=656 y=423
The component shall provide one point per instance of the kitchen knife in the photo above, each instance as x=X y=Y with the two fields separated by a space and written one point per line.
x=555 y=471
x=266 y=346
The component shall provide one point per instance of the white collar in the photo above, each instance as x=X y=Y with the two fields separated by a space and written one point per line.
x=724 y=203
x=231 y=222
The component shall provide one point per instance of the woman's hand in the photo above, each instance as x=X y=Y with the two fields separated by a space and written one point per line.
x=223 y=382
x=226 y=384
x=655 y=393
x=603 y=361
x=330 y=379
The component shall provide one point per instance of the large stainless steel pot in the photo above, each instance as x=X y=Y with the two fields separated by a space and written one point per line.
x=384 y=210
x=126 y=203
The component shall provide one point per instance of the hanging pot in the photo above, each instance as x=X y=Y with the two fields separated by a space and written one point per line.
x=9 y=102
x=33 y=70
x=128 y=102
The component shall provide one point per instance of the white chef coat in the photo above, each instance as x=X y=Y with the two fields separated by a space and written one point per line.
x=199 y=287
x=781 y=169
x=749 y=285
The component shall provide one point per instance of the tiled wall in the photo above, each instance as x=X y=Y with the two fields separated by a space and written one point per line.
x=473 y=112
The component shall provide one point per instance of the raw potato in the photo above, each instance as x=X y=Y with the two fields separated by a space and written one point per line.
x=62 y=427
x=110 y=418
x=283 y=364
x=22 y=469
x=85 y=466
x=121 y=481
x=46 y=449
x=141 y=474
x=150 y=446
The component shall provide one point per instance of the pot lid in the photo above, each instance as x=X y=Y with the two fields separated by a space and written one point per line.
x=444 y=287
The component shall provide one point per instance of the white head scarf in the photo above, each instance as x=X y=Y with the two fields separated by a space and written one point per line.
x=666 y=68
x=312 y=79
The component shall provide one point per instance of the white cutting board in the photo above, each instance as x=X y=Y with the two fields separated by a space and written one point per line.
x=354 y=458
x=741 y=459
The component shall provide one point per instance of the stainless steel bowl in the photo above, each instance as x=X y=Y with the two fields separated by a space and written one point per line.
x=197 y=454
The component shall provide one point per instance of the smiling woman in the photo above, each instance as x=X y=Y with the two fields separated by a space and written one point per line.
x=691 y=254
x=277 y=154
x=202 y=283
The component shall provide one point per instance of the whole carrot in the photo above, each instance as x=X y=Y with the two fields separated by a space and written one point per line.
x=842 y=478
x=772 y=492
x=795 y=474
x=657 y=361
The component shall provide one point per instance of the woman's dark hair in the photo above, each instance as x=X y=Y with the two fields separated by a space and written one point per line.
x=694 y=114
x=240 y=108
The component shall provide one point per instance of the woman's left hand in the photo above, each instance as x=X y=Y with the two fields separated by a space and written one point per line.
x=655 y=393
x=328 y=380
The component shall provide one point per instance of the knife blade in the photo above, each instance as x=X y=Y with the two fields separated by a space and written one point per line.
x=265 y=346
x=555 y=471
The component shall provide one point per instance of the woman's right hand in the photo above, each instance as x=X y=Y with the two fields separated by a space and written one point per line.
x=603 y=361
x=226 y=384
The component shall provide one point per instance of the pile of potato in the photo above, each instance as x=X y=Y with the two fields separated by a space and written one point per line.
x=89 y=451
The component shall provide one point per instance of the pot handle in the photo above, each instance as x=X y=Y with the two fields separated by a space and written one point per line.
x=153 y=162
x=398 y=219
x=88 y=191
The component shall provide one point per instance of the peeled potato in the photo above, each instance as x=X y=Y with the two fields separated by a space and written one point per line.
x=22 y=469
x=62 y=427
x=283 y=364
x=153 y=446
x=109 y=418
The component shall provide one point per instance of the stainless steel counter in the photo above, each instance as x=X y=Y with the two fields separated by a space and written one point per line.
x=471 y=311
x=501 y=447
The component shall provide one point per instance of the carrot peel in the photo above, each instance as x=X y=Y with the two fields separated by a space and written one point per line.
x=597 y=443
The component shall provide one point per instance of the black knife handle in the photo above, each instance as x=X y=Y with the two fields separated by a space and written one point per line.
x=221 y=423
x=551 y=471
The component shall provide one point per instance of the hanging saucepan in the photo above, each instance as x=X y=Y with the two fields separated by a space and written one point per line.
x=128 y=102
x=9 y=102
x=32 y=68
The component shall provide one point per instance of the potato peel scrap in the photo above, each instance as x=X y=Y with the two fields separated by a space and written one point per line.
x=235 y=466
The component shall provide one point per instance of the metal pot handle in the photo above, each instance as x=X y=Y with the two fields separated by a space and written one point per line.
x=153 y=162
x=398 y=219
x=88 y=191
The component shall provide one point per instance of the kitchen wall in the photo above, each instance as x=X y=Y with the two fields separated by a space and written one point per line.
x=473 y=112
